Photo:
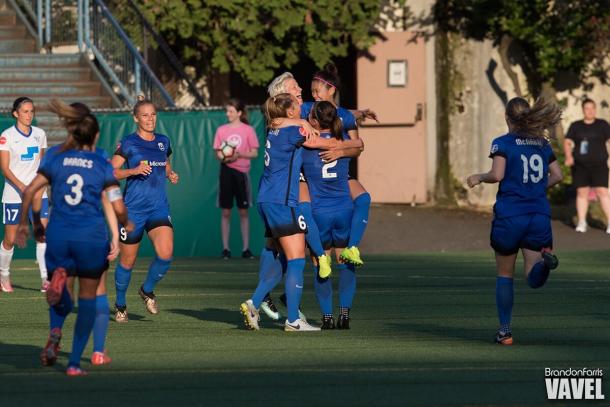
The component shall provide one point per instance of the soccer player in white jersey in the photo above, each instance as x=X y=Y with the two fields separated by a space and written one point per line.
x=21 y=149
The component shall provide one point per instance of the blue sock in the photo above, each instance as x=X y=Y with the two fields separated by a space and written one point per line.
x=538 y=275
x=324 y=292
x=102 y=314
x=360 y=218
x=82 y=329
x=504 y=299
x=347 y=284
x=294 y=287
x=156 y=271
x=65 y=304
x=313 y=233
x=269 y=275
x=121 y=282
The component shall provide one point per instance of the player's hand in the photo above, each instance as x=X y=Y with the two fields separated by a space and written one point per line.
x=142 y=169
x=39 y=234
x=330 y=155
x=21 y=187
x=173 y=177
x=569 y=161
x=114 y=249
x=473 y=180
x=308 y=131
x=23 y=232
x=367 y=114
x=129 y=227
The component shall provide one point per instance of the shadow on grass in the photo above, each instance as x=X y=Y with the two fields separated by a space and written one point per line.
x=20 y=287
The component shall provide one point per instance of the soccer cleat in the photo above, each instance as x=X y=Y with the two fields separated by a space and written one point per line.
x=250 y=313
x=150 y=301
x=247 y=254
x=226 y=254
x=100 y=358
x=328 y=322
x=324 y=262
x=299 y=326
x=503 y=338
x=57 y=286
x=351 y=255
x=75 y=371
x=269 y=308
x=120 y=314
x=5 y=284
x=343 y=322
x=302 y=316
x=581 y=227
x=550 y=260
x=51 y=349
x=45 y=285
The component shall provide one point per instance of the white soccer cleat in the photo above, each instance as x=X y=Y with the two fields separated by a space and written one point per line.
x=250 y=313
x=582 y=227
x=269 y=308
x=299 y=326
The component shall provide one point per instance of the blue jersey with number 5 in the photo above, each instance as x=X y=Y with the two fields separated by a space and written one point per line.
x=523 y=189
x=77 y=180
x=327 y=182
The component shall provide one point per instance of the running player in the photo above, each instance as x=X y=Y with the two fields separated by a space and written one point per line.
x=332 y=208
x=22 y=146
x=78 y=177
x=145 y=155
x=525 y=166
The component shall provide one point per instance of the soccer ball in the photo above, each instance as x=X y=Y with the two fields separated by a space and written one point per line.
x=226 y=150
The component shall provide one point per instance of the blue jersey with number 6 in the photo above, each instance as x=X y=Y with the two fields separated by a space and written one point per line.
x=327 y=182
x=77 y=180
x=523 y=189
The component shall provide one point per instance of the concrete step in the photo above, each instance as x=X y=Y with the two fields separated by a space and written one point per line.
x=17 y=60
x=16 y=31
x=12 y=45
x=8 y=17
x=57 y=88
x=6 y=101
x=44 y=74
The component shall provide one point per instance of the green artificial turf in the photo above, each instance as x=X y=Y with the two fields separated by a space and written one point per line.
x=422 y=329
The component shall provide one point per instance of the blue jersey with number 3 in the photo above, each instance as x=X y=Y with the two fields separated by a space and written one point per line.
x=523 y=189
x=327 y=182
x=77 y=180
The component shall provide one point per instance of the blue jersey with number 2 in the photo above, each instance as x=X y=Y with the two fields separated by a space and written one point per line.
x=523 y=189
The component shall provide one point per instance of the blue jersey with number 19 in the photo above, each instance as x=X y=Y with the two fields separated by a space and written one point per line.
x=327 y=182
x=523 y=189
x=77 y=180
x=283 y=159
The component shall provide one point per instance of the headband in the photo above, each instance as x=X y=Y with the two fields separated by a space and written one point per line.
x=317 y=78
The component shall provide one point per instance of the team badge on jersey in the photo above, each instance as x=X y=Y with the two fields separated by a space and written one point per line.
x=161 y=146
x=494 y=149
x=302 y=131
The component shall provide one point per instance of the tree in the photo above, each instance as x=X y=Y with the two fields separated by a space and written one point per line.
x=254 y=38
x=547 y=38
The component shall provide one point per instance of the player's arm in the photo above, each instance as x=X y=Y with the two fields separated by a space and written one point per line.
x=5 y=161
x=171 y=175
x=495 y=174
x=282 y=122
x=37 y=184
x=113 y=225
x=362 y=115
x=115 y=198
x=121 y=173
x=555 y=174
x=332 y=143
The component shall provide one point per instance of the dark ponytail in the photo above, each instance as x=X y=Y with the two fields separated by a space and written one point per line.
x=537 y=120
x=328 y=76
x=326 y=115
x=82 y=126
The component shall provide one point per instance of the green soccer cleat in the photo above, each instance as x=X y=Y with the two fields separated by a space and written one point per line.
x=324 y=262
x=351 y=255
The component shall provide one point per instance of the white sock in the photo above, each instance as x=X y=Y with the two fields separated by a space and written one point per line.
x=40 y=249
x=5 y=260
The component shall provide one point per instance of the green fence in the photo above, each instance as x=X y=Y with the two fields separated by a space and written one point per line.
x=193 y=200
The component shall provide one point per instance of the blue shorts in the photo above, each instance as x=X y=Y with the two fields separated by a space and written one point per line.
x=144 y=221
x=81 y=259
x=281 y=220
x=334 y=227
x=532 y=231
x=11 y=212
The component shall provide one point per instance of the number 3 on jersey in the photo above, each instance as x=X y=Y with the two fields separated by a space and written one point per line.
x=76 y=181
x=533 y=165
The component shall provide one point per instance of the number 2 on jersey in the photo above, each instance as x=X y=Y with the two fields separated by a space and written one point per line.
x=76 y=181
x=326 y=167
x=533 y=165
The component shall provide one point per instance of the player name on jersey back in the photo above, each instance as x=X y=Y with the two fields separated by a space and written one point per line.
x=77 y=162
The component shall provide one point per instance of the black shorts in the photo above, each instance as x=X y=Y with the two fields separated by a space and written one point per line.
x=233 y=184
x=590 y=175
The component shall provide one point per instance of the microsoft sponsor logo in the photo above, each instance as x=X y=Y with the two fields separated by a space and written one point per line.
x=574 y=384
x=154 y=163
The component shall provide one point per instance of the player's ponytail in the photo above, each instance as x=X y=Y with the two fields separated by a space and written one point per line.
x=277 y=107
x=537 y=120
x=329 y=76
x=82 y=126
x=325 y=113
x=240 y=107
